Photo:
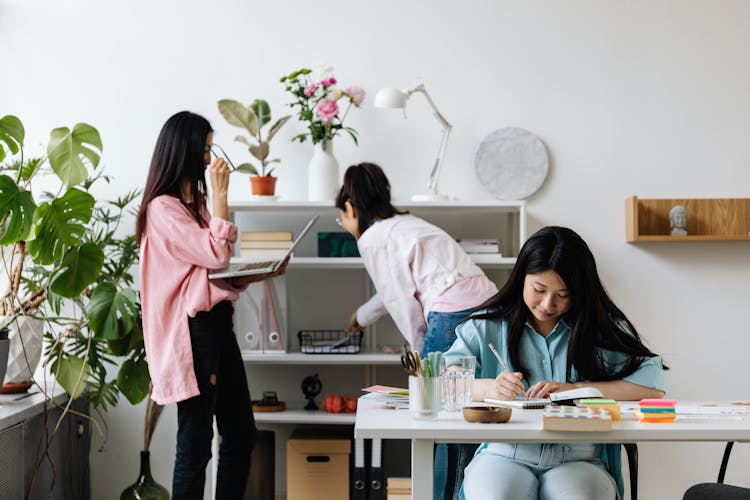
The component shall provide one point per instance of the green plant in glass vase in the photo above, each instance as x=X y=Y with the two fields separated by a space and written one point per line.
x=253 y=118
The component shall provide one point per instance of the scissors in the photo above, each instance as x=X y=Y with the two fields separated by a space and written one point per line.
x=410 y=362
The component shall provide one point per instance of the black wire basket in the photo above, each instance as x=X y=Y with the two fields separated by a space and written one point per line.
x=329 y=342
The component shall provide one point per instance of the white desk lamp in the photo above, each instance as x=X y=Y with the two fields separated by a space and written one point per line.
x=395 y=98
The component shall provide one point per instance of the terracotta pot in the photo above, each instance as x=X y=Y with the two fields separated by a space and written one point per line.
x=262 y=186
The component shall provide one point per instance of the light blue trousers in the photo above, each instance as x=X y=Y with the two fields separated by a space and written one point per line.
x=507 y=471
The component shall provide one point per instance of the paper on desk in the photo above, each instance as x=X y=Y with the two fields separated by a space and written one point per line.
x=711 y=410
x=384 y=389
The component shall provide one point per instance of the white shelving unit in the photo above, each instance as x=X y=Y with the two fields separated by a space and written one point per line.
x=321 y=293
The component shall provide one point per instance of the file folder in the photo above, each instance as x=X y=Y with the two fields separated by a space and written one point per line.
x=377 y=481
x=359 y=475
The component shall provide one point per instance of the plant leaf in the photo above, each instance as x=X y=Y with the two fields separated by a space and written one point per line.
x=59 y=225
x=11 y=134
x=262 y=111
x=69 y=372
x=260 y=151
x=276 y=126
x=247 y=168
x=67 y=149
x=16 y=211
x=235 y=113
x=133 y=380
x=79 y=268
x=112 y=313
x=243 y=140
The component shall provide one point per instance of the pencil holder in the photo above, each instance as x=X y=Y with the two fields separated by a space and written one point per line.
x=424 y=397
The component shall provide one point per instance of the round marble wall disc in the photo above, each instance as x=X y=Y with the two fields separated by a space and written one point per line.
x=511 y=163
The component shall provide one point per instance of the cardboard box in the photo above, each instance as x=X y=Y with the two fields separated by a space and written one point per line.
x=317 y=469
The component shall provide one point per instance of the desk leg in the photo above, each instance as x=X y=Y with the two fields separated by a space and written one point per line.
x=422 y=458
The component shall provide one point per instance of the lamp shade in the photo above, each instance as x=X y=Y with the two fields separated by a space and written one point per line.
x=390 y=98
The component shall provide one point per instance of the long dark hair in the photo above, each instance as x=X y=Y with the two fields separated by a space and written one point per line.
x=178 y=156
x=597 y=323
x=367 y=188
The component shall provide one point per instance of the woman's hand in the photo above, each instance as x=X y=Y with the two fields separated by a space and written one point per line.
x=218 y=174
x=544 y=388
x=353 y=325
x=508 y=385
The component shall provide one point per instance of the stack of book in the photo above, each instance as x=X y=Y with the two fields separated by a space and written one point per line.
x=399 y=488
x=258 y=245
x=657 y=410
x=480 y=245
x=576 y=419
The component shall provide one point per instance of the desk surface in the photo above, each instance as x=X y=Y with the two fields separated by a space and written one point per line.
x=374 y=420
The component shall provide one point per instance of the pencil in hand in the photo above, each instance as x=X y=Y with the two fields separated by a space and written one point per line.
x=499 y=358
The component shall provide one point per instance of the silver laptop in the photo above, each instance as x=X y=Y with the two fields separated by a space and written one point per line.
x=260 y=267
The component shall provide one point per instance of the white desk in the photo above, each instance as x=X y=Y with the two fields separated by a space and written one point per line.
x=374 y=420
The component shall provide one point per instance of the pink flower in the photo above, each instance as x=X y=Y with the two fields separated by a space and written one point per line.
x=329 y=81
x=310 y=90
x=356 y=94
x=326 y=110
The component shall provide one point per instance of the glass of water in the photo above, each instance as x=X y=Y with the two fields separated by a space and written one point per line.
x=458 y=376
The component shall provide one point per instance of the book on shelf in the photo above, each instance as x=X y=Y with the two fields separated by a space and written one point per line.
x=576 y=419
x=262 y=253
x=270 y=244
x=479 y=245
x=266 y=236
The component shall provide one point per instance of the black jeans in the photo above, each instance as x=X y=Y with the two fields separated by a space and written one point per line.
x=223 y=393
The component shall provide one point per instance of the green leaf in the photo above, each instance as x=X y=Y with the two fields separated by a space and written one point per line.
x=112 y=313
x=247 y=168
x=276 y=126
x=260 y=152
x=133 y=380
x=79 y=268
x=16 y=211
x=235 y=113
x=262 y=111
x=59 y=225
x=11 y=134
x=72 y=369
x=67 y=149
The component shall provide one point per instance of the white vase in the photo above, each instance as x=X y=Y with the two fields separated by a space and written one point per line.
x=24 y=347
x=323 y=174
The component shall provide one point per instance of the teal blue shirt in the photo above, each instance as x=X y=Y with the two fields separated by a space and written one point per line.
x=545 y=358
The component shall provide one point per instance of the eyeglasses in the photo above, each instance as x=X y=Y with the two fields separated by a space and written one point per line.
x=338 y=221
x=223 y=153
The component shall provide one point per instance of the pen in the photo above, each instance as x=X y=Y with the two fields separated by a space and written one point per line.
x=499 y=358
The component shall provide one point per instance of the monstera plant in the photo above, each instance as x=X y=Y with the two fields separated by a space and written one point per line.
x=69 y=263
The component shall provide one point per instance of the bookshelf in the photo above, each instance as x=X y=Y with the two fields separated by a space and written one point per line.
x=322 y=292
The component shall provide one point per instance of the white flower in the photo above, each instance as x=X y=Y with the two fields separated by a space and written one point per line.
x=322 y=72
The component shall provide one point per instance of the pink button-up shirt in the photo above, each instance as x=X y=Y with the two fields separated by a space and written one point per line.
x=176 y=255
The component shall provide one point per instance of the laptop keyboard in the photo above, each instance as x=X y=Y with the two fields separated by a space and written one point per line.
x=258 y=265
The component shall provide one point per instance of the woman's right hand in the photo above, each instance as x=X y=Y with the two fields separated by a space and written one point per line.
x=353 y=325
x=218 y=173
x=508 y=385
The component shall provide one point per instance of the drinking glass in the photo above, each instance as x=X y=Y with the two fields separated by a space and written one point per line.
x=424 y=397
x=458 y=377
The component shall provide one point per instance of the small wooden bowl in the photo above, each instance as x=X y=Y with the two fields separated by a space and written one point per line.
x=487 y=414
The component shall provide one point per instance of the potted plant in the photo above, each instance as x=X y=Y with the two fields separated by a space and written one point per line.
x=253 y=118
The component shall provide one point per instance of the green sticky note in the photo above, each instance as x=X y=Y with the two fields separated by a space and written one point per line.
x=597 y=401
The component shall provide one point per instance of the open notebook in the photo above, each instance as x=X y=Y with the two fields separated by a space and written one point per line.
x=560 y=398
x=268 y=266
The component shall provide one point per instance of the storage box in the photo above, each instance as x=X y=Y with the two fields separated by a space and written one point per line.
x=317 y=469
x=337 y=245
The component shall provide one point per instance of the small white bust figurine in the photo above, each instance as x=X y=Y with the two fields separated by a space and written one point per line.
x=678 y=220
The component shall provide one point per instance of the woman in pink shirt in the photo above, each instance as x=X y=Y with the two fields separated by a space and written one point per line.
x=192 y=353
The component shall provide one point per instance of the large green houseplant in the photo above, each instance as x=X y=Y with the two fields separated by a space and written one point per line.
x=69 y=264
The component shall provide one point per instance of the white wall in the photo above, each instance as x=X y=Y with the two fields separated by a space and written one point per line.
x=642 y=97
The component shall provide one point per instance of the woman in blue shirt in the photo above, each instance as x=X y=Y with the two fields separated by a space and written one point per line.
x=558 y=329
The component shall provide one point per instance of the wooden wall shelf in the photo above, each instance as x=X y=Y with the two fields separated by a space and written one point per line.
x=708 y=219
